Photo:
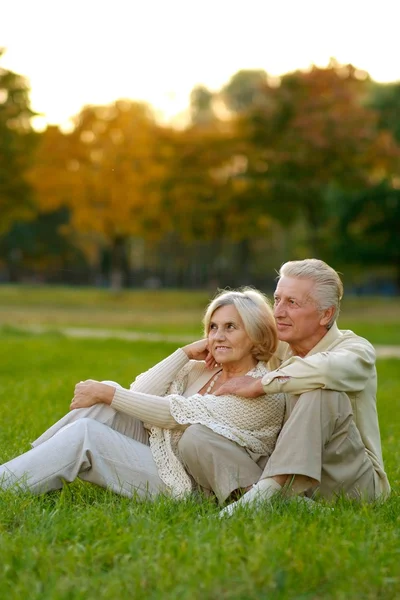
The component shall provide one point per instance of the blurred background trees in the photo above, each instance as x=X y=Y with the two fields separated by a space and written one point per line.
x=264 y=171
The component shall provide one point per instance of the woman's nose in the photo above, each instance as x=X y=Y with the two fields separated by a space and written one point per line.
x=220 y=333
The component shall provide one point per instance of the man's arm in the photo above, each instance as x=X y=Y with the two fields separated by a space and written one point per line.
x=344 y=368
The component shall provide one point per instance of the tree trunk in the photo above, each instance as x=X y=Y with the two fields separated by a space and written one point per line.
x=118 y=274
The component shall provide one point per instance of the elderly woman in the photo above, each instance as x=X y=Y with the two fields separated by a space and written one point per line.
x=129 y=440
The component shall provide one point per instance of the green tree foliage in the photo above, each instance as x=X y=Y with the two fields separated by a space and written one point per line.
x=201 y=105
x=385 y=100
x=245 y=90
x=260 y=160
x=368 y=227
x=16 y=144
x=313 y=131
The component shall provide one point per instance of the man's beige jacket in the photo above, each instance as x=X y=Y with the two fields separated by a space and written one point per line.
x=344 y=362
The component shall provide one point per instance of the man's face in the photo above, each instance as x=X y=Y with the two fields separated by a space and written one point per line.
x=300 y=323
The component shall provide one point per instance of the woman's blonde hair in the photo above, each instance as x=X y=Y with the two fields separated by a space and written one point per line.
x=257 y=316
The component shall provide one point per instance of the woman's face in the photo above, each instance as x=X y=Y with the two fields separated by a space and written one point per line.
x=227 y=337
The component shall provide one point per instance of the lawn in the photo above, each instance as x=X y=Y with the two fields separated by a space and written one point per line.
x=85 y=543
x=163 y=311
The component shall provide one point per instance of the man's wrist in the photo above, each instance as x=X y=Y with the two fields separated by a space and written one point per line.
x=258 y=389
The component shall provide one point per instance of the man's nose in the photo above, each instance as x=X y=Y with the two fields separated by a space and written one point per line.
x=279 y=309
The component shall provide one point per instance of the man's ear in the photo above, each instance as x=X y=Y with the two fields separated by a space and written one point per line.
x=327 y=315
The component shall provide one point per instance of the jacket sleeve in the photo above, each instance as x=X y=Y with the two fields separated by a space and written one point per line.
x=149 y=408
x=344 y=368
x=157 y=379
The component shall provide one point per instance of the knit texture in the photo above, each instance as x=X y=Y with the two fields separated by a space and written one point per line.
x=251 y=423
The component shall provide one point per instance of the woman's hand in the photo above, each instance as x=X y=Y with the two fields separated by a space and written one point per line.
x=199 y=351
x=88 y=393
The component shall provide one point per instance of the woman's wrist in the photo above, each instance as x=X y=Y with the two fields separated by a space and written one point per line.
x=187 y=351
x=104 y=393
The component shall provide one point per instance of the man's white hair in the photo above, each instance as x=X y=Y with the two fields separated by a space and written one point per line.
x=328 y=289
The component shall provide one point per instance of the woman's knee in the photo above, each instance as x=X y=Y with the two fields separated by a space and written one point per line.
x=112 y=383
x=193 y=441
x=77 y=431
x=98 y=412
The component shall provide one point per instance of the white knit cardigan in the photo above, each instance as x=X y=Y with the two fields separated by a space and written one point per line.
x=251 y=423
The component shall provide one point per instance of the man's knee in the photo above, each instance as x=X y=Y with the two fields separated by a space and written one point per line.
x=330 y=401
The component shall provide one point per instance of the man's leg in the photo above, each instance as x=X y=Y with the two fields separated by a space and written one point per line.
x=320 y=442
x=94 y=452
x=216 y=463
x=318 y=445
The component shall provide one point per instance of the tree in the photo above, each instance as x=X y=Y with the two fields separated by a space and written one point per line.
x=311 y=133
x=16 y=144
x=245 y=90
x=109 y=173
x=201 y=105
x=368 y=226
x=385 y=100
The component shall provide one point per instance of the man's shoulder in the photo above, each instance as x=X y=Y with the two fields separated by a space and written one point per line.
x=346 y=339
x=349 y=336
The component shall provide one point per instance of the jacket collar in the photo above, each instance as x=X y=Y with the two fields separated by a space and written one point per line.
x=331 y=335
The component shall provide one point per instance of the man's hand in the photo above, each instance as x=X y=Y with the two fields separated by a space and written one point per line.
x=246 y=386
x=88 y=393
x=199 y=351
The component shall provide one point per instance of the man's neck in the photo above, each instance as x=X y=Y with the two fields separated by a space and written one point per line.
x=303 y=348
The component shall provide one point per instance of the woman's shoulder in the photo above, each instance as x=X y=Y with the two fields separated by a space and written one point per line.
x=259 y=370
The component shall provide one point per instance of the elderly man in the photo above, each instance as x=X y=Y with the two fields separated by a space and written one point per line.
x=330 y=441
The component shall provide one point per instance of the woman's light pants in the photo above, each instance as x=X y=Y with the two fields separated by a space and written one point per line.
x=98 y=445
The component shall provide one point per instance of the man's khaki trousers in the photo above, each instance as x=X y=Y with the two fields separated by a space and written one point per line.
x=319 y=440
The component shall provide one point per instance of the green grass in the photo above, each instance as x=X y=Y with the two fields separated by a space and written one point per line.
x=86 y=543
x=163 y=311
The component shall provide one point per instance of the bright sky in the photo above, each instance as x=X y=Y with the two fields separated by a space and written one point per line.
x=77 y=52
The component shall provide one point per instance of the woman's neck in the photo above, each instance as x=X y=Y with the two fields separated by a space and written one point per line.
x=230 y=370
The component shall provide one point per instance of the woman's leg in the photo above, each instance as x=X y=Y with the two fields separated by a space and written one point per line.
x=103 y=413
x=216 y=463
x=94 y=452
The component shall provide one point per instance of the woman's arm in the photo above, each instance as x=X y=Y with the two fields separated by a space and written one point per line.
x=146 y=407
x=158 y=379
